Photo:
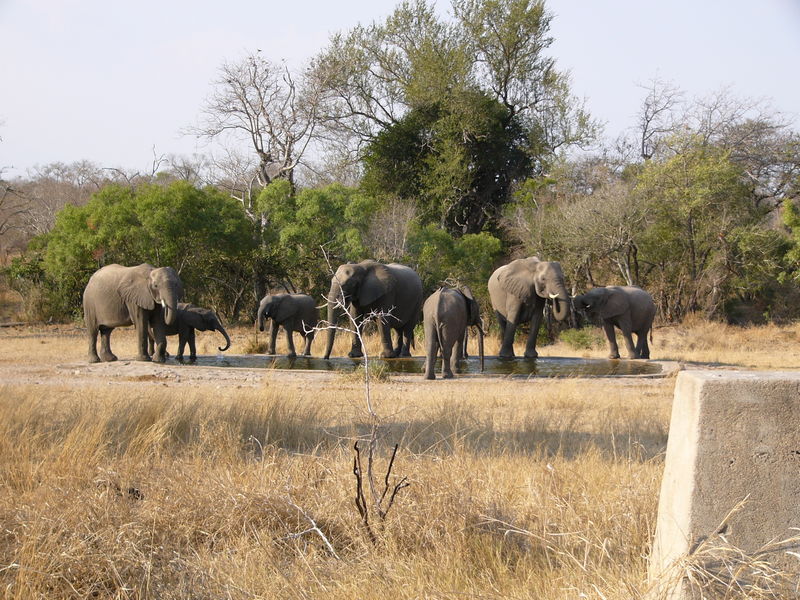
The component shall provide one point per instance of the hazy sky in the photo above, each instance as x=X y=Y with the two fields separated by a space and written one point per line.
x=109 y=80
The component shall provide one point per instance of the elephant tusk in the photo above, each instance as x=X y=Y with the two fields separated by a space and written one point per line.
x=553 y=296
x=163 y=303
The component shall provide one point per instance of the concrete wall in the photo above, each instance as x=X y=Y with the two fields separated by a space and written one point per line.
x=734 y=437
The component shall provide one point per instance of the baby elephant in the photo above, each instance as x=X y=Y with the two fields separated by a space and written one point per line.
x=629 y=308
x=293 y=312
x=446 y=315
x=189 y=318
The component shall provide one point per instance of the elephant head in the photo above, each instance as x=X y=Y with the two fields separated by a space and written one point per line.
x=358 y=284
x=601 y=302
x=278 y=307
x=526 y=276
x=203 y=319
x=474 y=318
x=159 y=286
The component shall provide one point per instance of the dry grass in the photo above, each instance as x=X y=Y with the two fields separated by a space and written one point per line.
x=540 y=489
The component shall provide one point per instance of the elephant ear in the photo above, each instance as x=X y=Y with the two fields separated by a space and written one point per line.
x=134 y=288
x=473 y=310
x=378 y=282
x=518 y=279
x=283 y=307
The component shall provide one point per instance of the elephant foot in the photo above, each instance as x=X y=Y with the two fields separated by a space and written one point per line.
x=390 y=354
x=143 y=358
x=531 y=354
x=506 y=354
x=354 y=354
x=271 y=351
x=404 y=354
x=291 y=355
x=447 y=376
x=613 y=355
x=108 y=357
x=430 y=376
x=159 y=359
x=93 y=358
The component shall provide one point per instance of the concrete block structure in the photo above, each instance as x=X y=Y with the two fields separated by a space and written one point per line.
x=734 y=441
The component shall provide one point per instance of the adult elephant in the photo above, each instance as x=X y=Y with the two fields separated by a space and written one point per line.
x=117 y=296
x=447 y=315
x=293 y=312
x=188 y=319
x=392 y=291
x=518 y=292
x=629 y=308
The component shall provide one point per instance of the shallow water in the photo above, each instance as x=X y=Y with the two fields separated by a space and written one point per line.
x=539 y=367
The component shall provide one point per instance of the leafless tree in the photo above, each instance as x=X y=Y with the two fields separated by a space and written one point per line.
x=658 y=116
x=267 y=106
x=387 y=233
x=13 y=209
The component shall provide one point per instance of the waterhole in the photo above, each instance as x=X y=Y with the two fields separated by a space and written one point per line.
x=539 y=367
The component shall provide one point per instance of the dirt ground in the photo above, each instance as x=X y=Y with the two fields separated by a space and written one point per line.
x=55 y=355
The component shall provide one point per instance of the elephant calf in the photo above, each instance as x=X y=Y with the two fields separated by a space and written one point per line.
x=293 y=312
x=629 y=308
x=189 y=318
x=446 y=314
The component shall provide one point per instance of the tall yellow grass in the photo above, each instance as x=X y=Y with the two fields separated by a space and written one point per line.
x=519 y=489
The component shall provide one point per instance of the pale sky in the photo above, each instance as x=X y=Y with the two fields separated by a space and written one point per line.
x=107 y=80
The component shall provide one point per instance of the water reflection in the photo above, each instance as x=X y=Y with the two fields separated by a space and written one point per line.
x=539 y=367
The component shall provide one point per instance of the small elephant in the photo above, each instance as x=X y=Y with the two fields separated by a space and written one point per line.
x=393 y=290
x=293 y=312
x=447 y=314
x=189 y=318
x=117 y=296
x=629 y=308
x=519 y=291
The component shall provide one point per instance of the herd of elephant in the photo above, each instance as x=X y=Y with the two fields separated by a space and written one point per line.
x=149 y=298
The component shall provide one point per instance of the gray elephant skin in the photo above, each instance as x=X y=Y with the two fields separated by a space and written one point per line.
x=367 y=287
x=519 y=291
x=447 y=315
x=628 y=308
x=118 y=296
x=188 y=319
x=293 y=312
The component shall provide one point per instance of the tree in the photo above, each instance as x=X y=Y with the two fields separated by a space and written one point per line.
x=269 y=107
x=202 y=233
x=451 y=114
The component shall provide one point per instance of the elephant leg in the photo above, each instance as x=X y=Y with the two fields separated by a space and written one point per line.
x=457 y=352
x=431 y=350
x=536 y=322
x=386 y=339
x=273 y=337
x=624 y=323
x=398 y=348
x=182 y=340
x=192 y=344
x=290 y=342
x=309 y=339
x=642 y=347
x=448 y=358
x=91 y=332
x=463 y=344
x=508 y=329
x=613 y=349
x=105 y=344
x=355 y=349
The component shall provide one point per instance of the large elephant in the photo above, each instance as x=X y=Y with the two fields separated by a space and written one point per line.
x=447 y=314
x=117 y=296
x=393 y=291
x=629 y=308
x=519 y=291
x=293 y=312
x=188 y=319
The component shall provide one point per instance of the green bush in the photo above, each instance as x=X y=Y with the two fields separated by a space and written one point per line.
x=582 y=339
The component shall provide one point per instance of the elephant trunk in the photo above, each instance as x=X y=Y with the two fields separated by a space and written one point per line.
x=262 y=317
x=561 y=303
x=221 y=329
x=169 y=302
x=334 y=312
